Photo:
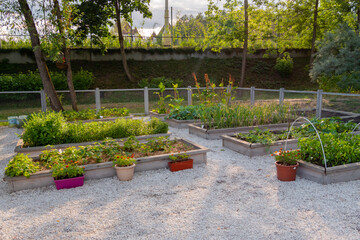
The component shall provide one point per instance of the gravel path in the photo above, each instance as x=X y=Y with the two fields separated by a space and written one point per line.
x=232 y=197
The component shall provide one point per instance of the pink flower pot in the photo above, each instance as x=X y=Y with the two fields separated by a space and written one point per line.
x=69 y=183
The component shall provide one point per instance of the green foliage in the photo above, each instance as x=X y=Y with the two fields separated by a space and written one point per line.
x=161 y=106
x=287 y=158
x=21 y=165
x=284 y=66
x=44 y=129
x=89 y=114
x=62 y=171
x=154 y=82
x=179 y=158
x=31 y=81
x=51 y=128
x=191 y=112
x=340 y=148
x=335 y=66
x=123 y=161
x=131 y=144
x=221 y=116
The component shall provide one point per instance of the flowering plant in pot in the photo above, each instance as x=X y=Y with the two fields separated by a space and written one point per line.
x=124 y=166
x=68 y=176
x=180 y=162
x=286 y=164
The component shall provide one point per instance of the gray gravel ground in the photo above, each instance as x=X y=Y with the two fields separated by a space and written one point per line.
x=232 y=197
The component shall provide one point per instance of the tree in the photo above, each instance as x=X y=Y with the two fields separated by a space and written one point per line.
x=60 y=23
x=314 y=32
x=105 y=11
x=39 y=56
x=336 y=65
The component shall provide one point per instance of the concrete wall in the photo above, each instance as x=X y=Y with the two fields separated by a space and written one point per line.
x=26 y=56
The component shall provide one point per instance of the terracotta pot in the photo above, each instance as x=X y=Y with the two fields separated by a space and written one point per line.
x=181 y=165
x=61 y=65
x=69 y=183
x=125 y=173
x=286 y=173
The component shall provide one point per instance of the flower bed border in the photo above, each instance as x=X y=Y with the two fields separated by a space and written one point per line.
x=181 y=124
x=102 y=119
x=104 y=170
x=255 y=149
x=213 y=134
x=157 y=115
x=37 y=150
x=337 y=174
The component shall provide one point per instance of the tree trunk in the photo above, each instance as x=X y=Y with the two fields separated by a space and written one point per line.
x=121 y=41
x=314 y=32
x=66 y=52
x=246 y=36
x=39 y=57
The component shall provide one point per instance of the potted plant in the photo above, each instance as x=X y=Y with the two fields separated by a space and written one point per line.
x=124 y=166
x=68 y=176
x=180 y=162
x=61 y=64
x=286 y=164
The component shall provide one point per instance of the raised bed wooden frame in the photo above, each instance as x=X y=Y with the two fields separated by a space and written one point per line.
x=104 y=170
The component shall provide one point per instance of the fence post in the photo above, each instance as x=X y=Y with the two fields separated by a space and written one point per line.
x=189 y=95
x=97 y=100
x=319 y=103
x=281 y=96
x=146 y=100
x=43 y=100
x=252 y=95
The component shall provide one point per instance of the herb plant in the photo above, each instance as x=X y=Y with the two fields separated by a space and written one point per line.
x=21 y=165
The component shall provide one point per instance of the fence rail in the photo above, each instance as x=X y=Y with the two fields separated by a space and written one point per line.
x=189 y=92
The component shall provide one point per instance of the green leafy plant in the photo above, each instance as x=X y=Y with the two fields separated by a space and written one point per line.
x=21 y=165
x=65 y=171
x=176 y=101
x=131 y=144
x=154 y=82
x=51 y=128
x=124 y=161
x=287 y=158
x=161 y=105
x=340 y=148
x=180 y=157
x=284 y=66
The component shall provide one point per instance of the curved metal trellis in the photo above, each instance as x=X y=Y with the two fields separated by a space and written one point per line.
x=317 y=133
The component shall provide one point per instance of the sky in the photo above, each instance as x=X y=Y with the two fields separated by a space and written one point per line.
x=157 y=7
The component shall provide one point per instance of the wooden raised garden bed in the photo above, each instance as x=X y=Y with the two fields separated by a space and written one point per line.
x=342 y=173
x=104 y=170
x=212 y=134
x=181 y=124
x=157 y=115
x=102 y=119
x=33 y=151
x=255 y=149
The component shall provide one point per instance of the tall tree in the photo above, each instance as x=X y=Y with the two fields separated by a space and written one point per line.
x=314 y=32
x=245 y=47
x=105 y=11
x=61 y=28
x=39 y=56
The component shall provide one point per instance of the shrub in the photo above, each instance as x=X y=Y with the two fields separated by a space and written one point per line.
x=284 y=66
x=154 y=82
x=31 y=81
x=51 y=128
x=44 y=129
x=21 y=165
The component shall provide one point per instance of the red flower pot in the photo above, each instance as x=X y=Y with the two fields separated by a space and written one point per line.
x=181 y=165
x=69 y=183
x=286 y=173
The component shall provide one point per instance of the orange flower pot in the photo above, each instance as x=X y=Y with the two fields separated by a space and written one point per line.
x=286 y=173
x=181 y=165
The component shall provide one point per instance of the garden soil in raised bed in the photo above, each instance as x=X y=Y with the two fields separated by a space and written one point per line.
x=231 y=197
